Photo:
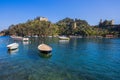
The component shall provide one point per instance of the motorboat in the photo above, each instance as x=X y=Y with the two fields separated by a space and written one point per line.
x=50 y=36
x=12 y=46
x=63 y=38
x=44 y=48
x=17 y=37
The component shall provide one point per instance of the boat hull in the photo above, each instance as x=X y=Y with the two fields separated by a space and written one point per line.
x=45 y=52
x=12 y=48
x=25 y=39
x=14 y=51
x=64 y=38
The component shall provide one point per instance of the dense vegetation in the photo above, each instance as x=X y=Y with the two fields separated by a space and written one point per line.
x=66 y=26
x=34 y=27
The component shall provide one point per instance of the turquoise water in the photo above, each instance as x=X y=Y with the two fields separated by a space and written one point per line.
x=77 y=59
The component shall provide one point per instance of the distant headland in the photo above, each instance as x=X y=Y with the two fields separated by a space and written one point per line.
x=41 y=26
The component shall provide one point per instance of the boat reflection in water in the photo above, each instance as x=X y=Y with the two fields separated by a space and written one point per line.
x=43 y=55
x=64 y=41
x=63 y=38
x=25 y=42
x=13 y=51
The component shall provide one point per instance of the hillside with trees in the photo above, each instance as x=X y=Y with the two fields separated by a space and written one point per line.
x=33 y=27
x=66 y=26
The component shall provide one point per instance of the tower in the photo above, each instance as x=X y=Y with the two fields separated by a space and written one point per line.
x=74 y=25
x=100 y=21
x=43 y=19
x=112 y=22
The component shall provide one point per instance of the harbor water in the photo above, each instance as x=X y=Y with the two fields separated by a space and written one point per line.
x=74 y=59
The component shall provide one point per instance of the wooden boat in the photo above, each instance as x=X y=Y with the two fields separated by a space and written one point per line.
x=12 y=46
x=63 y=38
x=25 y=39
x=43 y=48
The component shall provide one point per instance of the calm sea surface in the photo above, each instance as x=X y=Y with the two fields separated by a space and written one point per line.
x=77 y=59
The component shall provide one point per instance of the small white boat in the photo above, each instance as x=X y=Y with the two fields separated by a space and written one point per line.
x=17 y=37
x=49 y=36
x=25 y=39
x=35 y=36
x=43 y=48
x=63 y=38
x=12 y=46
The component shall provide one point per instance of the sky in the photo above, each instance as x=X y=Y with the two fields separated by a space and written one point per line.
x=19 y=11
